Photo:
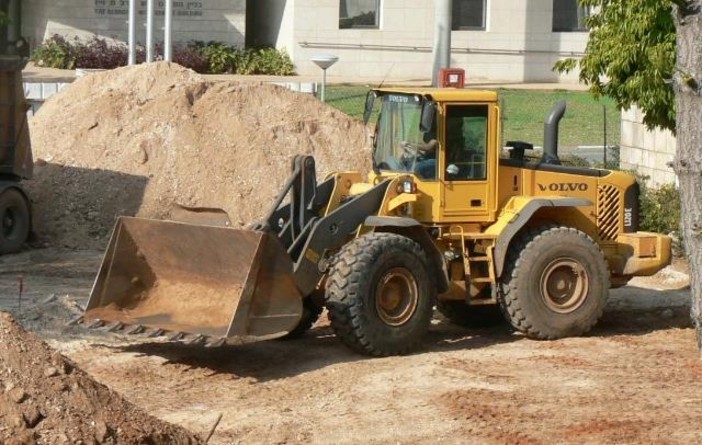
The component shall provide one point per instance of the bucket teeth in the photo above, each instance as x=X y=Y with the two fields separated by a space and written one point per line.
x=138 y=329
x=97 y=323
x=156 y=333
x=177 y=336
x=76 y=321
x=196 y=340
x=215 y=343
x=117 y=326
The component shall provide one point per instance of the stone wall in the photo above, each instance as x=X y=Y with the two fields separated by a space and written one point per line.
x=647 y=152
x=223 y=20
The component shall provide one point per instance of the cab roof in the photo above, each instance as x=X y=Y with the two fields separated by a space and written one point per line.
x=445 y=94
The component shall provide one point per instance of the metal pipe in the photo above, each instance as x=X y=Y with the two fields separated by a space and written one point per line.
x=149 y=31
x=168 y=32
x=131 y=31
x=550 y=155
x=442 y=38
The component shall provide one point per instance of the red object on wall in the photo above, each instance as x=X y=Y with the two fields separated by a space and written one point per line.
x=452 y=77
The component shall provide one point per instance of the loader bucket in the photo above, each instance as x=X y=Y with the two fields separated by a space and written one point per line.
x=215 y=282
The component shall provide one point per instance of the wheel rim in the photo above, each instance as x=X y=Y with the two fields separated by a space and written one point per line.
x=564 y=285
x=8 y=223
x=396 y=297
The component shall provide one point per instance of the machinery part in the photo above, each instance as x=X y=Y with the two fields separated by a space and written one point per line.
x=14 y=220
x=515 y=224
x=194 y=279
x=311 y=311
x=414 y=230
x=555 y=283
x=380 y=294
x=463 y=314
x=617 y=281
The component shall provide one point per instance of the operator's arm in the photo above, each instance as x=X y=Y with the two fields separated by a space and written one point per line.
x=425 y=149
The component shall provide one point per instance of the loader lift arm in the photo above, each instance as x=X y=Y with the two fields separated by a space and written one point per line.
x=308 y=236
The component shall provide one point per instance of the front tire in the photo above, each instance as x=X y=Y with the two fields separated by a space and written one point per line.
x=555 y=283
x=14 y=220
x=380 y=295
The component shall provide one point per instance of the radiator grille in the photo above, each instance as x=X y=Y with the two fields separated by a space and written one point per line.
x=608 y=202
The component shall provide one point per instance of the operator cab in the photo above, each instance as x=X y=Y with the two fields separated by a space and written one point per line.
x=445 y=138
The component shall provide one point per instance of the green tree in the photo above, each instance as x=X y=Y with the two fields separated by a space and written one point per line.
x=630 y=56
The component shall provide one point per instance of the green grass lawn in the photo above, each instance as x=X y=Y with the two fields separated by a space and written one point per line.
x=524 y=112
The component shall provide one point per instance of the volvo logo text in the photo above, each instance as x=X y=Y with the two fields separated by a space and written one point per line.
x=564 y=187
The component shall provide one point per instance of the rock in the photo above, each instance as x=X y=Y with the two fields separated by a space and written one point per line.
x=51 y=372
x=23 y=438
x=32 y=416
x=17 y=395
x=102 y=431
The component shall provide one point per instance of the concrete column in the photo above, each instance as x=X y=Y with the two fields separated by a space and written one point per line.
x=442 y=38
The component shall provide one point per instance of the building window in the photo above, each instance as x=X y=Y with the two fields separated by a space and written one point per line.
x=569 y=16
x=468 y=15
x=359 y=14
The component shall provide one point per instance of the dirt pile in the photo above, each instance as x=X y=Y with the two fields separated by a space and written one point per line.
x=45 y=398
x=136 y=140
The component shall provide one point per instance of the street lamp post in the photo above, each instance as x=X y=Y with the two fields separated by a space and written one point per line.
x=324 y=61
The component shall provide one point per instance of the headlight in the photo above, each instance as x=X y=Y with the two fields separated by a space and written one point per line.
x=407 y=186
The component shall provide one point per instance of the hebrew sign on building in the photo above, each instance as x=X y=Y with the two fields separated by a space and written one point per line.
x=222 y=20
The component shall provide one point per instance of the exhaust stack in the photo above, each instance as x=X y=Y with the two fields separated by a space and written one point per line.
x=551 y=123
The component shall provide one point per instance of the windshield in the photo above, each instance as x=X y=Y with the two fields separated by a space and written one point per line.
x=399 y=143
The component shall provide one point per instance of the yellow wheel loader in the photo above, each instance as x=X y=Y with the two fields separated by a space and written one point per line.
x=16 y=161
x=444 y=219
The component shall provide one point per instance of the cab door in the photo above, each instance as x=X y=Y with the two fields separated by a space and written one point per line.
x=467 y=163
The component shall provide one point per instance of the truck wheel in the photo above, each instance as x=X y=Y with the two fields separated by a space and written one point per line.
x=380 y=295
x=14 y=220
x=555 y=283
x=461 y=313
x=310 y=314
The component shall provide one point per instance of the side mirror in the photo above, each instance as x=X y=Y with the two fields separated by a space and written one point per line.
x=427 y=119
x=368 y=110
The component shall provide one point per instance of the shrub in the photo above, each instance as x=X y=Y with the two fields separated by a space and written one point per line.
x=98 y=53
x=660 y=210
x=224 y=58
x=207 y=58
x=55 y=52
x=275 y=62
x=219 y=56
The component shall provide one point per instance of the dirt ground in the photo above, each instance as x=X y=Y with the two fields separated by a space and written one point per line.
x=634 y=379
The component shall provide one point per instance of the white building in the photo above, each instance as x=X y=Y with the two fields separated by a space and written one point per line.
x=497 y=40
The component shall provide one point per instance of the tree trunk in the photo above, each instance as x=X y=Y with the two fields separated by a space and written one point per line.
x=688 y=159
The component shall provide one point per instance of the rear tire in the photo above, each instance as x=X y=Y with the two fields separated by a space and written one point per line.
x=555 y=283
x=14 y=220
x=380 y=295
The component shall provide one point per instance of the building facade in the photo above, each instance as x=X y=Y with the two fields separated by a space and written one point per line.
x=493 y=40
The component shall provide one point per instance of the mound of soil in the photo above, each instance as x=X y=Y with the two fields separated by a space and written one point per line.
x=45 y=398
x=139 y=140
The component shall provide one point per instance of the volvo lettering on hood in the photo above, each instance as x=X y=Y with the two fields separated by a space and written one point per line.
x=564 y=187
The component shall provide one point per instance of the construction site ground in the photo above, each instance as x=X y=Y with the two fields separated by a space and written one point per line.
x=145 y=140
x=634 y=379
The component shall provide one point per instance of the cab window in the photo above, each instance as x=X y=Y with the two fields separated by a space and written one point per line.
x=466 y=142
